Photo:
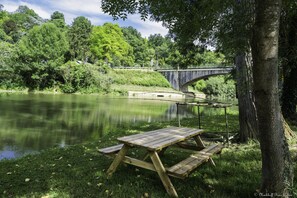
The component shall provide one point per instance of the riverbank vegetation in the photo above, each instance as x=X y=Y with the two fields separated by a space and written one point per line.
x=217 y=87
x=48 y=54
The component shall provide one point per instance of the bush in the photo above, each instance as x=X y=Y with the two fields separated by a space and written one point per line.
x=85 y=78
x=219 y=87
x=200 y=85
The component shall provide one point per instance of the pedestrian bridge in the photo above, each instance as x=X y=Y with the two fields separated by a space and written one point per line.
x=180 y=79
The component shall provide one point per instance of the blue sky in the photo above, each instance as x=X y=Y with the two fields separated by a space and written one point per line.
x=88 y=8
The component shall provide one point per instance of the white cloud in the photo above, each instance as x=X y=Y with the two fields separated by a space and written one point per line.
x=148 y=27
x=10 y=6
x=88 y=8
x=42 y=12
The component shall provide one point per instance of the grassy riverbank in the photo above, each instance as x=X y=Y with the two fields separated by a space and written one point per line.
x=92 y=79
x=79 y=170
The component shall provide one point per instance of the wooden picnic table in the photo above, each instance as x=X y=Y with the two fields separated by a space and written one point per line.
x=156 y=142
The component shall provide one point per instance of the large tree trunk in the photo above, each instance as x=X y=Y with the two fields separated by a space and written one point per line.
x=247 y=111
x=276 y=164
x=289 y=65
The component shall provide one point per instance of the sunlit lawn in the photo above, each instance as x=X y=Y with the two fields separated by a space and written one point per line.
x=79 y=171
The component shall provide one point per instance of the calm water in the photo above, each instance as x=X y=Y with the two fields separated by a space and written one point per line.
x=30 y=123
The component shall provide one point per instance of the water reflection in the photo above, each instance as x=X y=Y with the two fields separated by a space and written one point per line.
x=30 y=123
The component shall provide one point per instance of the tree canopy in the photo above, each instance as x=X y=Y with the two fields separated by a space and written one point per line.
x=79 y=34
x=36 y=51
x=40 y=52
x=232 y=25
x=108 y=44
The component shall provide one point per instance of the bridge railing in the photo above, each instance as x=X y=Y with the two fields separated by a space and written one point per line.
x=199 y=69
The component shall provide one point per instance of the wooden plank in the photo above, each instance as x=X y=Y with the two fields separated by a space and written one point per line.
x=209 y=151
x=189 y=167
x=140 y=139
x=162 y=143
x=212 y=149
x=180 y=164
x=162 y=174
x=172 y=137
x=139 y=163
x=111 y=149
x=117 y=160
x=149 y=133
x=185 y=167
x=199 y=141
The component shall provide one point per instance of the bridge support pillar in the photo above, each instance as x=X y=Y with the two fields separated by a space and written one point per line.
x=180 y=79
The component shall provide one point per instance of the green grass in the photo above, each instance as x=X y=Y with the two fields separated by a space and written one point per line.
x=142 y=78
x=79 y=171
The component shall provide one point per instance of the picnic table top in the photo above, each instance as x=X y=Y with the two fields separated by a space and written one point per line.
x=161 y=138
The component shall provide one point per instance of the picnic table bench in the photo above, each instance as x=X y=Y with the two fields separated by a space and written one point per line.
x=156 y=142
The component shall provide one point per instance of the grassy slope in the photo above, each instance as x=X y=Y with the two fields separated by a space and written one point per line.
x=79 y=171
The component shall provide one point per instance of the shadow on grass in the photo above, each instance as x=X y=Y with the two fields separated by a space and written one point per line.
x=79 y=171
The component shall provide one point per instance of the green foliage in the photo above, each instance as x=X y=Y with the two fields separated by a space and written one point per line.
x=108 y=44
x=25 y=19
x=236 y=174
x=58 y=19
x=141 y=51
x=40 y=52
x=137 y=77
x=43 y=43
x=79 y=35
x=200 y=85
x=86 y=78
x=43 y=51
x=209 y=58
x=4 y=37
x=163 y=47
x=8 y=57
x=219 y=87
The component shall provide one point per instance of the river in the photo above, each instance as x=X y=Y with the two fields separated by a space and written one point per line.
x=30 y=123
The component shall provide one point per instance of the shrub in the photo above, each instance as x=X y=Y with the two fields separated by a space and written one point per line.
x=85 y=78
x=219 y=87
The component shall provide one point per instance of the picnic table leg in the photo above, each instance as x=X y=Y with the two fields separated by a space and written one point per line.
x=162 y=174
x=200 y=143
x=161 y=153
x=117 y=160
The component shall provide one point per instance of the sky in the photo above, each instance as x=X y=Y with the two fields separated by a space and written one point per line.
x=88 y=8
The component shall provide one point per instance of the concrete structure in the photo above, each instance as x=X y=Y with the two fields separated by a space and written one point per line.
x=182 y=78
x=157 y=95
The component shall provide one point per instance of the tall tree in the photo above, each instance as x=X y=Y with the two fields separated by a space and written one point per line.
x=223 y=24
x=109 y=45
x=58 y=19
x=79 y=35
x=236 y=42
x=41 y=51
x=277 y=175
x=181 y=19
x=288 y=59
x=19 y=22
x=162 y=46
x=139 y=44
